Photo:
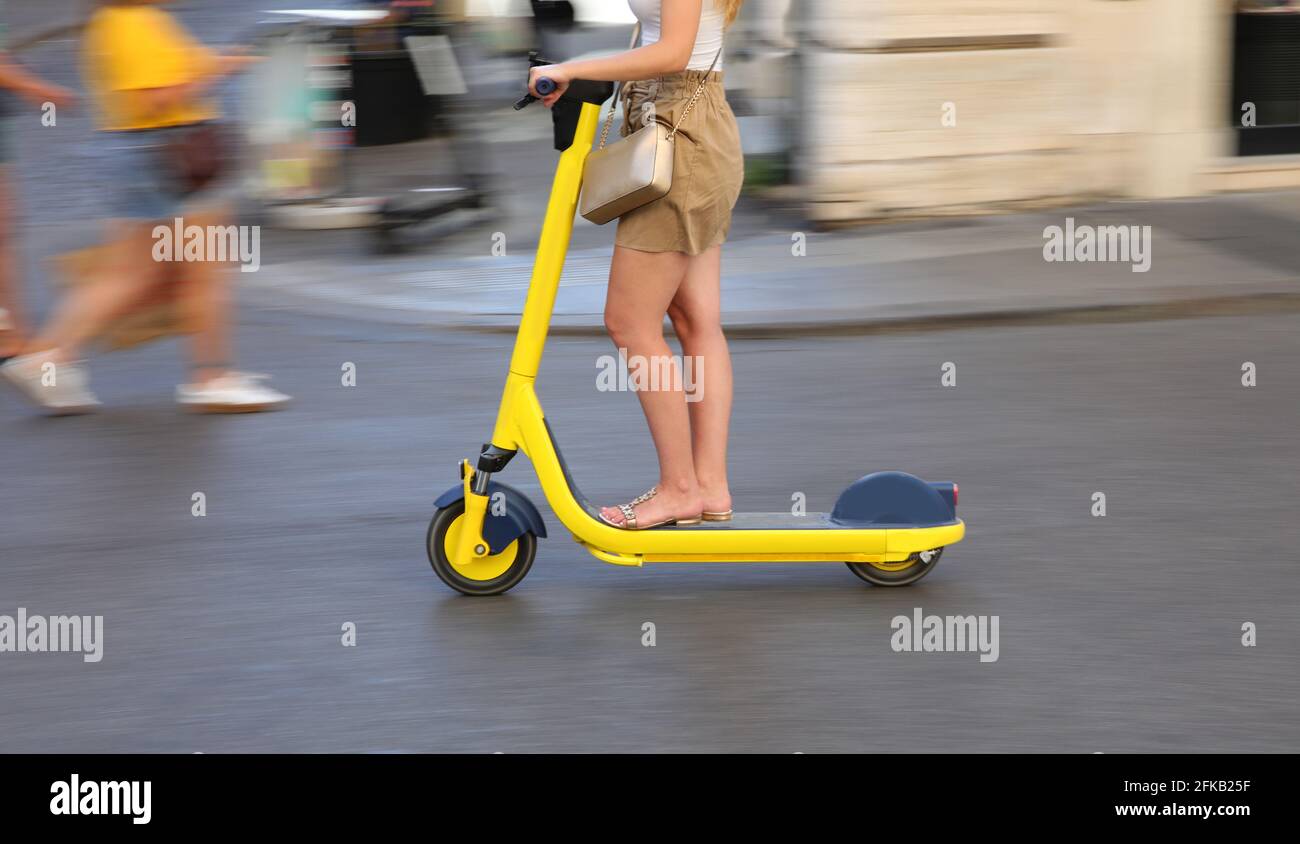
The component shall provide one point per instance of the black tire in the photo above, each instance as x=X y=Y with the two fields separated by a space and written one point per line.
x=919 y=567
x=525 y=551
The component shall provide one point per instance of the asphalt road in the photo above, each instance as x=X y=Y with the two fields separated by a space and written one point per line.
x=223 y=633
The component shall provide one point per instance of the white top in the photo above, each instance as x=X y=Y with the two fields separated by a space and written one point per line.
x=708 y=40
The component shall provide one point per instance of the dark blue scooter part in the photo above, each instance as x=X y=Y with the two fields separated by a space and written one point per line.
x=895 y=499
x=520 y=515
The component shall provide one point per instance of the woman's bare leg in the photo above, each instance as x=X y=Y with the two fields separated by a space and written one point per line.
x=11 y=340
x=205 y=302
x=128 y=274
x=641 y=286
x=696 y=312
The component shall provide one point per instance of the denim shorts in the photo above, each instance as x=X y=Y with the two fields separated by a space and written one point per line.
x=138 y=181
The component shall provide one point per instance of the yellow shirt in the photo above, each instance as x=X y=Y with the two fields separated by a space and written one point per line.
x=128 y=49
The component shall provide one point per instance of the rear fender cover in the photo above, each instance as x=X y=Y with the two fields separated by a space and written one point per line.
x=894 y=499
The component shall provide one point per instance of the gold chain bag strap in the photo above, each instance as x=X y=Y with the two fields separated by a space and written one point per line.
x=634 y=170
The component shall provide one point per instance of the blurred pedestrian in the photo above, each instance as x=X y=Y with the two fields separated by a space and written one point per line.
x=15 y=80
x=151 y=83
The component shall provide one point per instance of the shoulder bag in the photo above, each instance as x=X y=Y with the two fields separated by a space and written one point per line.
x=635 y=170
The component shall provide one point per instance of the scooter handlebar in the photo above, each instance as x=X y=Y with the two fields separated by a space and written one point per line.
x=544 y=84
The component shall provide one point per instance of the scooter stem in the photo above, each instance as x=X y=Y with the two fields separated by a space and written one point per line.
x=553 y=246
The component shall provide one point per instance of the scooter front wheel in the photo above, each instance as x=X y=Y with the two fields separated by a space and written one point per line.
x=907 y=572
x=490 y=575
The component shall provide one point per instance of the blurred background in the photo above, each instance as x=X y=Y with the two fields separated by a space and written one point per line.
x=851 y=112
x=905 y=160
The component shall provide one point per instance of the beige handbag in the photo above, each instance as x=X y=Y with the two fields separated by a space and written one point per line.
x=635 y=170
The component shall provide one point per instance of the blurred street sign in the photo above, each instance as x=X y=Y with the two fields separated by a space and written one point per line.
x=436 y=65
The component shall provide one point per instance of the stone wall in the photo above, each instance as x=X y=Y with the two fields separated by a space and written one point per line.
x=961 y=106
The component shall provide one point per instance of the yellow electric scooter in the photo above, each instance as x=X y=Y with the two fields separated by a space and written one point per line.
x=889 y=528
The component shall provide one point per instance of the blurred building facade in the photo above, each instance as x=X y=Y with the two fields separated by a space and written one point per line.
x=960 y=106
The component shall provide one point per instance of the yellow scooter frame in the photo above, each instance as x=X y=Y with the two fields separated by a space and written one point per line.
x=473 y=563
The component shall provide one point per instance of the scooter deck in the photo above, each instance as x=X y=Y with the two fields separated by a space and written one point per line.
x=781 y=521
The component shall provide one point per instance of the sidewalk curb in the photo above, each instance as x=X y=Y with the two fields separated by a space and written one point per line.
x=1264 y=302
x=910 y=320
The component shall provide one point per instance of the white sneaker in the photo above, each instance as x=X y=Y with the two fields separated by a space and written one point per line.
x=59 y=390
x=234 y=392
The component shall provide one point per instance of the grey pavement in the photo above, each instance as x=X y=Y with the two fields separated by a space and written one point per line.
x=222 y=633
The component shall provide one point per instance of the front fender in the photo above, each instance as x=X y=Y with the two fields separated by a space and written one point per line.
x=503 y=524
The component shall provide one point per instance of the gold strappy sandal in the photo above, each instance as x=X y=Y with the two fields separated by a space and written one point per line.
x=713 y=516
x=629 y=515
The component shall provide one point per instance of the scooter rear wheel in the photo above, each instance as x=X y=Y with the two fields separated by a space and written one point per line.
x=905 y=573
x=490 y=575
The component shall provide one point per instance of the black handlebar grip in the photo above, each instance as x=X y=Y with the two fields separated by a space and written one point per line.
x=545 y=85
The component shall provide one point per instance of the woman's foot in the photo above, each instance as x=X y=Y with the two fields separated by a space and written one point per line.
x=717 y=501
x=60 y=388
x=231 y=392
x=653 y=508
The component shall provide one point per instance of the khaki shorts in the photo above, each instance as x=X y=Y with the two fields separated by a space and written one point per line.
x=708 y=167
